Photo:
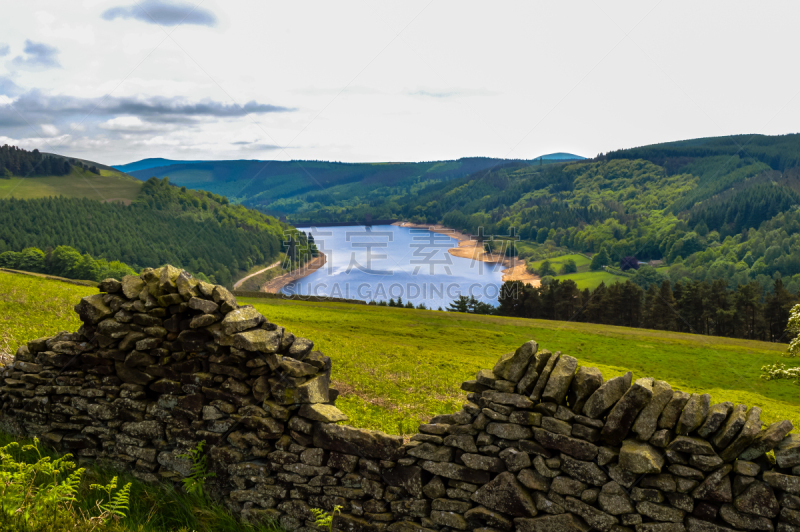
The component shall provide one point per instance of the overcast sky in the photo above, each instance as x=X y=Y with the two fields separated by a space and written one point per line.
x=120 y=80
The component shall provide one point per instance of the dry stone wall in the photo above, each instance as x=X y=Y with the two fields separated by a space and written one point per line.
x=163 y=361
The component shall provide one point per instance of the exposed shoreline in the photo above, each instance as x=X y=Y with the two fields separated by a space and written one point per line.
x=276 y=284
x=515 y=269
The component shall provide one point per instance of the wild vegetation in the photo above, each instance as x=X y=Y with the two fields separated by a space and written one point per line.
x=45 y=491
x=780 y=152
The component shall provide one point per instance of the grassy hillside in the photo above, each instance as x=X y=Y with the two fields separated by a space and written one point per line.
x=400 y=366
x=581 y=261
x=397 y=367
x=110 y=185
x=31 y=174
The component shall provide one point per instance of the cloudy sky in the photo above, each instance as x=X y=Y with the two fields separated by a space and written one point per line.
x=119 y=80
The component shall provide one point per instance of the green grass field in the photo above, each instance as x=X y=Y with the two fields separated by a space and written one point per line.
x=110 y=185
x=591 y=280
x=581 y=261
x=397 y=367
x=584 y=278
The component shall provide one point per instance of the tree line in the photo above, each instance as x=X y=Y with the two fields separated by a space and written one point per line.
x=698 y=307
x=18 y=162
x=64 y=261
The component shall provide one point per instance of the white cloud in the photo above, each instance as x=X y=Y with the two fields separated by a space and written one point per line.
x=131 y=124
x=49 y=130
x=451 y=92
x=56 y=28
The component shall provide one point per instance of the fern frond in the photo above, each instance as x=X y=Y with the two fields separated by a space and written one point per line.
x=108 y=488
x=195 y=482
x=119 y=503
x=71 y=484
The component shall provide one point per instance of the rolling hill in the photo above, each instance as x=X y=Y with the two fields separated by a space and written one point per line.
x=144 y=164
x=110 y=185
x=27 y=175
x=285 y=188
x=93 y=221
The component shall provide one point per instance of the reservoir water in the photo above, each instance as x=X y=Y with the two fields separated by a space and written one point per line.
x=387 y=261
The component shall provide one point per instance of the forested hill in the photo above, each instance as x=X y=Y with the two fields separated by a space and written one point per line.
x=199 y=231
x=289 y=187
x=724 y=208
x=779 y=152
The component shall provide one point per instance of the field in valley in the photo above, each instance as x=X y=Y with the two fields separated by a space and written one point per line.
x=397 y=367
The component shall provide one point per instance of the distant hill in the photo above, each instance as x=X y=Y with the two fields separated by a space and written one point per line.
x=287 y=187
x=144 y=164
x=561 y=156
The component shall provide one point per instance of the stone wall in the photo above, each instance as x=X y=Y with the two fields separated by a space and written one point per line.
x=163 y=361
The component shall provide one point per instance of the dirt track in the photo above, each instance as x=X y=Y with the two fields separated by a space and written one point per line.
x=275 y=285
x=243 y=279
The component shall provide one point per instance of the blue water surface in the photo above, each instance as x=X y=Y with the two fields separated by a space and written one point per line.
x=387 y=261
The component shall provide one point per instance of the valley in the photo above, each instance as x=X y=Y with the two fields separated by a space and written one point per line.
x=399 y=267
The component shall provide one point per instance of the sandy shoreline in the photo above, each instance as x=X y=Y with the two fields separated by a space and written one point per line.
x=515 y=269
x=276 y=284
